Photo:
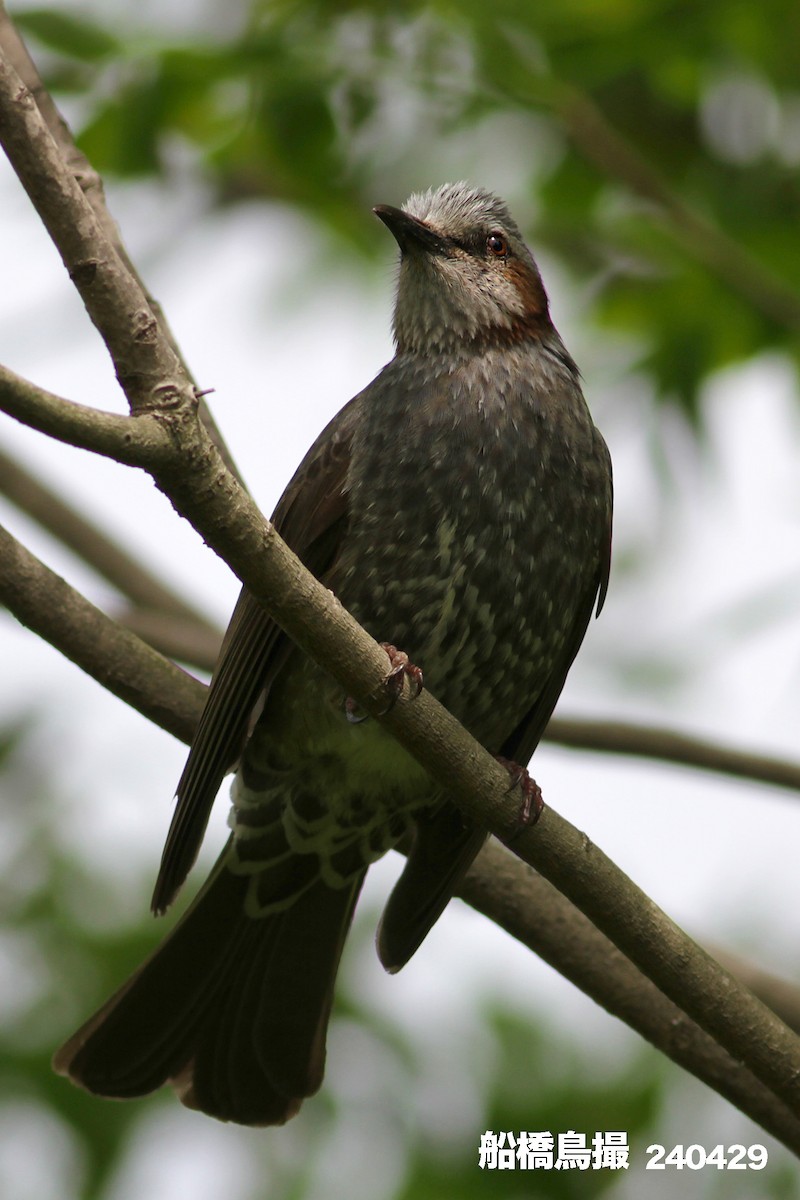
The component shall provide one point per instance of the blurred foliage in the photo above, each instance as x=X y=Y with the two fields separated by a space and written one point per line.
x=656 y=143
x=532 y=1093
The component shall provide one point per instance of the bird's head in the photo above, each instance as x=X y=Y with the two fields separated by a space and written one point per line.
x=467 y=279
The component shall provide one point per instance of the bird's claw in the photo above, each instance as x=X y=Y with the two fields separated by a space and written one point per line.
x=352 y=713
x=532 y=803
x=400 y=670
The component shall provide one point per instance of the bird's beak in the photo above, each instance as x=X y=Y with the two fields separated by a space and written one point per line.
x=410 y=233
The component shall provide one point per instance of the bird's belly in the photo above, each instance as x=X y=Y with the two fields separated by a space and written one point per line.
x=485 y=627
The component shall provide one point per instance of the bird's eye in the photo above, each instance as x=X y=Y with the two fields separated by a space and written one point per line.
x=497 y=245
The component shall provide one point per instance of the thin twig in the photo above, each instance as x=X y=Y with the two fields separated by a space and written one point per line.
x=620 y=737
x=603 y=145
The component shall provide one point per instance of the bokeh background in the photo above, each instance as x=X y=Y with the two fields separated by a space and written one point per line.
x=650 y=152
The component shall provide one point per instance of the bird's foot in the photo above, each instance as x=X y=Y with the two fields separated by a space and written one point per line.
x=400 y=670
x=532 y=803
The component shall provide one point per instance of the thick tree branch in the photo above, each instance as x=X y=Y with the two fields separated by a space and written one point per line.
x=147 y=367
x=779 y=994
x=91 y=185
x=188 y=468
x=117 y=437
x=135 y=442
x=592 y=132
x=498 y=885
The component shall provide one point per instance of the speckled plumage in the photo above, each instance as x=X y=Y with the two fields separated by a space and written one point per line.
x=460 y=506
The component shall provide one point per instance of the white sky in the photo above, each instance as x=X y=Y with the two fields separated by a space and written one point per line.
x=282 y=354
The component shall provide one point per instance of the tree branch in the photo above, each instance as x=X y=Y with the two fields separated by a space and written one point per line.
x=779 y=994
x=126 y=440
x=615 y=156
x=600 y=141
x=189 y=469
x=191 y=638
x=536 y=914
x=129 y=576
x=146 y=366
x=620 y=737
x=499 y=885
x=118 y=660
x=188 y=642
x=91 y=185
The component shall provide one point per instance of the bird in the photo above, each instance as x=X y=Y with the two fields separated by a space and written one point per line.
x=460 y=506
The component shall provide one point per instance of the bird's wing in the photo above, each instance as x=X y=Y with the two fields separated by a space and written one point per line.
x=526 y=737
x=311 y=516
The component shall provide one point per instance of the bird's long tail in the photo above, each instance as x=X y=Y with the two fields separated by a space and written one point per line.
x=232 y=1010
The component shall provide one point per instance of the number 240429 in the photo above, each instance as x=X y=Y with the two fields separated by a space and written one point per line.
x=694 y=1157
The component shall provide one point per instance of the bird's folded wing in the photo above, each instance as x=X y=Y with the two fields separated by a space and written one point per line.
x=312 y=518
x=526 y=737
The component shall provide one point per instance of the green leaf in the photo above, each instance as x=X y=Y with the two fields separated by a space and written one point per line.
x=77 y=37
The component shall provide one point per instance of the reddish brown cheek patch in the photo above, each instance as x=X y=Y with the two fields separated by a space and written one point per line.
x=529 y=286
